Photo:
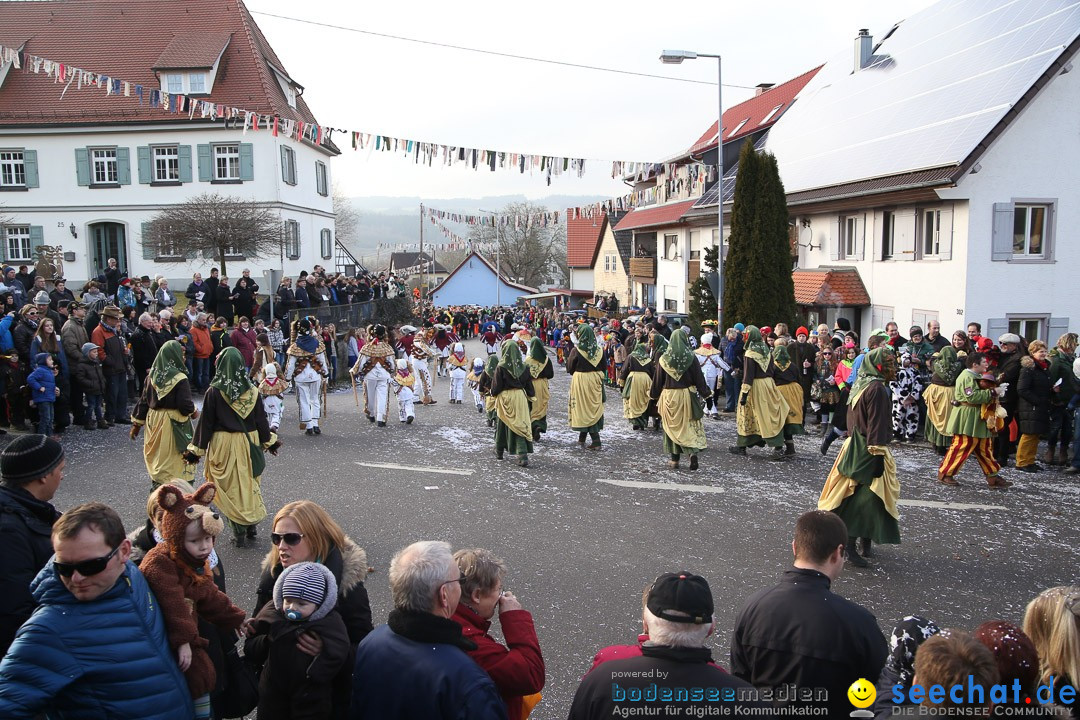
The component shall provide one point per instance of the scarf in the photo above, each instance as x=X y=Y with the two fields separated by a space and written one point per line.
x=659 y=344
x=586 y=344
x=168 y=368
x=870 y=371
x=459 y=354
x=678 y=357
x=231 y=379
x=510 y=359
x=537 y=351
x=947 y=366
x=906 y=638
x=780 y=358
x=756 y=349
x=424 y=627
x=492 y=363
x=641 y=353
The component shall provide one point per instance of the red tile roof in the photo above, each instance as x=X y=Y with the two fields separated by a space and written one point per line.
x=754 y=111
x=655 y=216
x=830 y=286
x=193 y=50
x=126 y=39
x=582 y=237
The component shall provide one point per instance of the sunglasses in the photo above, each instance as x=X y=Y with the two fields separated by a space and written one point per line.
x=289 y=538
x=86 y=568
x=455 y=580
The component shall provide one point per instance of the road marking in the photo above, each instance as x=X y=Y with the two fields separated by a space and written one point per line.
x=663 y=486
x=948 y=505
x=392 y=466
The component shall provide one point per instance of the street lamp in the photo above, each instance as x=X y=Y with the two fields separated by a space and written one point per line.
x=675 y=57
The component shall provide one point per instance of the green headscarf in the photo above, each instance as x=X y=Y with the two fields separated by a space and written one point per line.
x=755 y=348
x=780 y=357
x=168 y=368
x=537 y=351
x=659 y=344
x=871 y=370
x=948 y=365
x=510 y=359
x=231 y=378
x=678 y=356
x=641 y=352
x=587 y=346
x=490 y=365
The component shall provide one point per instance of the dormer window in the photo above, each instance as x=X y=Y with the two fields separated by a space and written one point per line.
x=184 y=83
x=290 y=96
x=174 y=82
x=196 y=82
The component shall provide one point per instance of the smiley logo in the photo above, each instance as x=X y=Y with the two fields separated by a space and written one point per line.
x=862 y=693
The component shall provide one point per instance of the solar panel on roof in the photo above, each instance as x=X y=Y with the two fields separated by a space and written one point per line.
x=930 y=94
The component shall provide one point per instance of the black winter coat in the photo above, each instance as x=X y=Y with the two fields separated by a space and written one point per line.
x=1009 y=372
x=89 y=376
x=223 y=302
x=1035 y=391
x=25 y=530
x=144 y=348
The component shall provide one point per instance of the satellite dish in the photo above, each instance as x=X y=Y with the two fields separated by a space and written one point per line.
x=806 y=236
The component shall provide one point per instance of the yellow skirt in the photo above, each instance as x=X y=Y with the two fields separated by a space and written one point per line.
x=839 y=487
x=938 y=400
x=793 y=396
x=164 y=462
x=540 y=399
x=512 y=408
x=637 y=400
x=765 y=411
x=586 y=404
x=677 y=416
x=228 y=466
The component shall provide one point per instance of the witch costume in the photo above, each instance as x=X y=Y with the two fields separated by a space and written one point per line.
x=585 y=407
x=512 y=388
x=166 y=409
x=675 y=379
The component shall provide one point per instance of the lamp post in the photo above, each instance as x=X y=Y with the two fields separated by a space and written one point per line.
x=675 y=57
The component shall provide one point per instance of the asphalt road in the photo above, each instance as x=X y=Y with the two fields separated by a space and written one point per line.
x=580 y=549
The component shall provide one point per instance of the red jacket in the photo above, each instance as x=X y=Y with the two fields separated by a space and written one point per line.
x=516 y=671
x=245 y=343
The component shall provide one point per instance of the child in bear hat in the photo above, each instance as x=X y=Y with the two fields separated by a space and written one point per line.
x=293 y=684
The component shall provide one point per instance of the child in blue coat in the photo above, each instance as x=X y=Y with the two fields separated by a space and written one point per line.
x=43 y=391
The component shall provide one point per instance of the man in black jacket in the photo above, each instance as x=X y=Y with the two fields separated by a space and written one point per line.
x=672 y=666
x=1008 y=371
x=286 y=299
x=144 y=348
x=31 y=468
x=800 y=632
x=210 y=301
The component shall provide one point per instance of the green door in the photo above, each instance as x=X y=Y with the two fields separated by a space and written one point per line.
x=108 y=241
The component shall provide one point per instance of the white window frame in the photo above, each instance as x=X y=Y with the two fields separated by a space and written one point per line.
x=1027 y=207
x=772 y=112
x=104 y=166
x=173 y=83
x=1042 y=324
x=200 y=76
x=321 y=185
x=292 y=239
x=290 y=168
x=226 y=157
x=888 y=234
x=671 y=246
x=738 y=128
x=20 y=235
x=170 y=249
x=326 y=243
x=165 y=163
x=935 y=242
x=880 y=315
x=12 y=168
x=922 y=318
x=849 y=237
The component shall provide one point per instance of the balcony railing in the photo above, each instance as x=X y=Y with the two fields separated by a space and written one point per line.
x=643 y=267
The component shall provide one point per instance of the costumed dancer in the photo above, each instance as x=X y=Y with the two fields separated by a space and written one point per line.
x=166 y=409
x=762 y=409
x=512 y=387
x=419 y=353
x=271 y=388
x=473 y=379
x=542 y=371
x=485 y=388
x=443 y=341
x=458 y=369
x=491 y=341
x=233 y=434
x=675 y=379
x=403 y=384
x=938 y=396
x=306 y=368
x=862 y=487
x=658 y=345
x=974 y=403
x=374 y=368
x=787 y=379
x=906 y=391
x=636 y=382
x=710 y=360
x=585 y=408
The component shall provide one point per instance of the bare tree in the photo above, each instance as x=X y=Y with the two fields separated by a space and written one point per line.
x=530 y=254
x=218 y=225
x=346 y=218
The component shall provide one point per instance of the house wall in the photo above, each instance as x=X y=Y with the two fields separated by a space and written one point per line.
x=671 y=273
x=59 y=201
x=475 y=284
x=581 y=278
x=611 y=280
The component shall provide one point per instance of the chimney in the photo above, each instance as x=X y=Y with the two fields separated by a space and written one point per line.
x=762 y=87
x=864 y=45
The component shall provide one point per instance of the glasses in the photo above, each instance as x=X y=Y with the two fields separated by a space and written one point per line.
x=289 y=538
x=455 y=580
x=86 y=568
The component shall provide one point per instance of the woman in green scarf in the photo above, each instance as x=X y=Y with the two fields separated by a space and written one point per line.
x=541 y=370
x=863 y=488
x=636 y=382
x=762 y=409
x=511 y=388
x=675 y=378
x=233 y=433
x=166 y=409
x=485 y=387
x=938 y=395
x=786 y=377
x=586 y=365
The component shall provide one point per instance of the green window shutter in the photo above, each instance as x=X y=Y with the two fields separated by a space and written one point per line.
x=142 y=153
x=82 y=166
x=123 y=165
x=184 y=152
x=284 y=164
x=149 y=252
x=206 y=166
x=30 y=167
x=37 y=238
x=247 y=162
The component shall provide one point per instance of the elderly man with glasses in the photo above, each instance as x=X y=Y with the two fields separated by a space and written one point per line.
x=416 y=665
x=96 y=617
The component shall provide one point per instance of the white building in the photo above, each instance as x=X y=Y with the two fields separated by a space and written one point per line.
x=86 y=170
x=941 y=164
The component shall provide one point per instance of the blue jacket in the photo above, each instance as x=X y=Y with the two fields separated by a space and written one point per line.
x=107 y=658
x=59 y=357
x=7 y=342
x=42 y=384
x=396 y=678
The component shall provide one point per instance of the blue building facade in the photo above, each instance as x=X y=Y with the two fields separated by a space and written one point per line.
x=475 y=282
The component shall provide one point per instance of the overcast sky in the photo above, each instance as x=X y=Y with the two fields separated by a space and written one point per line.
x=402 y=89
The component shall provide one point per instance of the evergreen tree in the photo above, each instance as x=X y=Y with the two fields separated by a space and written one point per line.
x=702 y=301
x=758 y=287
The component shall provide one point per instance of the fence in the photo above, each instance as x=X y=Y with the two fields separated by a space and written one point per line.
x=386 y=311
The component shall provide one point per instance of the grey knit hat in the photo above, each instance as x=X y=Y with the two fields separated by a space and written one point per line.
x=308 y=581
x=28 y=458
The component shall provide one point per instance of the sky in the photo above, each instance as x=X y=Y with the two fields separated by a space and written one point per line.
x=407 y=90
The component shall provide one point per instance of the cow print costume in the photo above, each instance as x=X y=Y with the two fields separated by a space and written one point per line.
x=906 y=391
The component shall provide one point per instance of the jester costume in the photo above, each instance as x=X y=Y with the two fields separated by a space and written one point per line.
x=307 y=369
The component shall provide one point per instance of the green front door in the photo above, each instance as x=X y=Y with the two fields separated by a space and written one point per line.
x=107 y=241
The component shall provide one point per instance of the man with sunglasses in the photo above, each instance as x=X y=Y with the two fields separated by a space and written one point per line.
x=96 y=647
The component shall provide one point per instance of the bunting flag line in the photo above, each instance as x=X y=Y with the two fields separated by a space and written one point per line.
x=427 y=153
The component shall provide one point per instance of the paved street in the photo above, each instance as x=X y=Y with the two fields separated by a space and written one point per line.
x=584 y=532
